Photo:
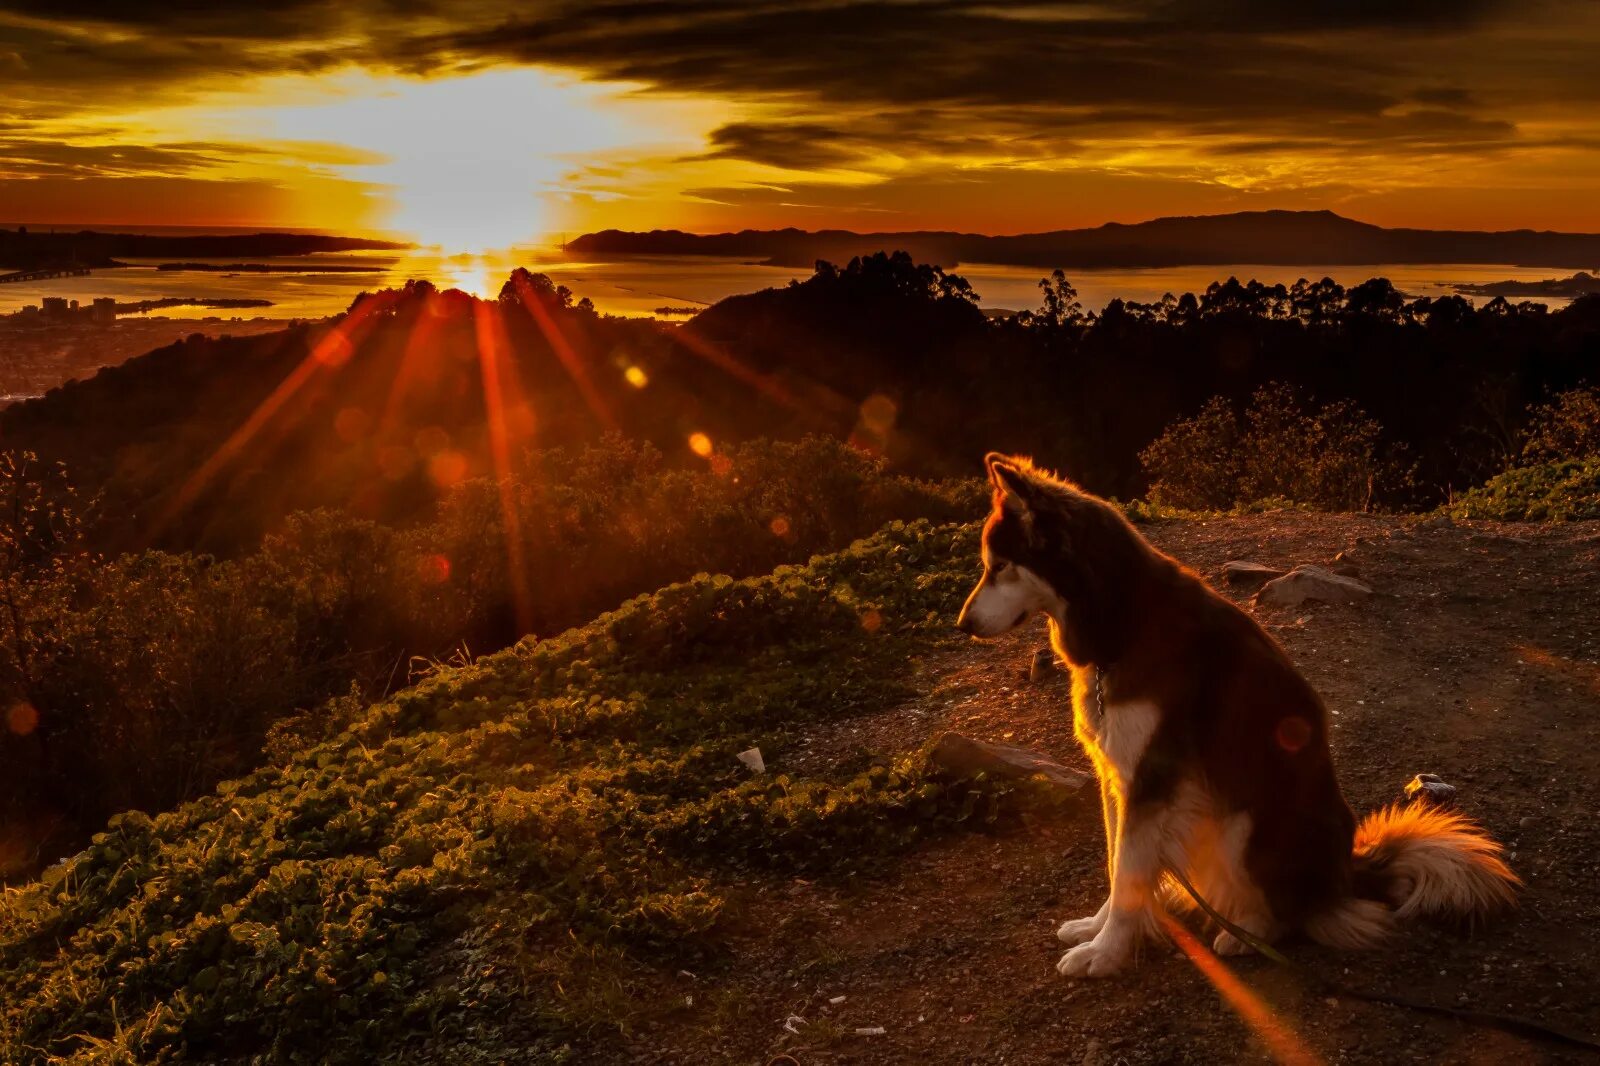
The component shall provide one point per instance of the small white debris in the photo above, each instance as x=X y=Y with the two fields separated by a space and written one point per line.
x=836 y=1000
x=686 y=973
x=790 y=1022
x=752 y=758
x=871 y=1030
x=688 y=1001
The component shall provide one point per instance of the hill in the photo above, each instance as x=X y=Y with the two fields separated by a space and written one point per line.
x=1310 y=238
x=210 y=444
x=554 y=855
x=24 y=249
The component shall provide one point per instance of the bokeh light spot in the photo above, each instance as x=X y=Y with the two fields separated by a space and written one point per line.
x=871 y=620
x=780 y=526
x=352 y=424
x=636 y=377
x=333 y=349
x=22 y=718
x=721 y=465
x=877 y=413
x=700 y=444
x=1294 y=733
x=434 y=569
x=447 y=469
x=431 y=440
x=395 y=460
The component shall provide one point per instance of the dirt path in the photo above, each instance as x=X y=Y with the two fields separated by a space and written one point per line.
x=1480 y=662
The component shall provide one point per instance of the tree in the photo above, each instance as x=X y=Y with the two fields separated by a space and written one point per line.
x=1060 y=307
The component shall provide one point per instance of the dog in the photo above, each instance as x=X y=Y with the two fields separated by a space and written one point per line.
x=1211 y=750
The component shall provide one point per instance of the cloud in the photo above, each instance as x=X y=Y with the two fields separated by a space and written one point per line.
x=1226 y=94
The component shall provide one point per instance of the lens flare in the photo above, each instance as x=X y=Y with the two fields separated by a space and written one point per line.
x=1284 y=1044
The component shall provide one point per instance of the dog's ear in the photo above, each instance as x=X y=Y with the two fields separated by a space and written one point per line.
x=1011 y=485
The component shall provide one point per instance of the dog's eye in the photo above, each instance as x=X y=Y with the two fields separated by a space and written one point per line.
x=999 y=568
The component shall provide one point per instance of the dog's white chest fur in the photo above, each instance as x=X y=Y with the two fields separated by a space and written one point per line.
x=1119 y=735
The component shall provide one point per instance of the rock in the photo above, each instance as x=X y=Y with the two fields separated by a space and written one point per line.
x=1431 y=790
x=966 y=755
x=1249 y=575
x=1312 y=583
x=752 y=758
x=1043 y=665
x=1345 y=565
x=1436 y=523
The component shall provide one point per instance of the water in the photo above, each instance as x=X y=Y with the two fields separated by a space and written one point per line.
x=640 y=286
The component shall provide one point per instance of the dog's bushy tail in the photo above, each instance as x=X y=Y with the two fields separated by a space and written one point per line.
x=1414 y=861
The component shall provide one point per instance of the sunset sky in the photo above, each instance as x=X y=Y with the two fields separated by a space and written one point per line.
x=475 y=126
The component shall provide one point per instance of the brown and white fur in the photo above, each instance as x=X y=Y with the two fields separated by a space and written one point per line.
x=1211 y=749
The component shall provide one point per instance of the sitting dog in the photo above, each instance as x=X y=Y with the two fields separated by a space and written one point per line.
x=1211 y=749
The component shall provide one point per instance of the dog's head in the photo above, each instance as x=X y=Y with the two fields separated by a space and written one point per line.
x=1013 y=588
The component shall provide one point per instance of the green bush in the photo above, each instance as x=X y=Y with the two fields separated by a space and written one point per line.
x=1560 y=491
x=146 y=679
x=507 y=841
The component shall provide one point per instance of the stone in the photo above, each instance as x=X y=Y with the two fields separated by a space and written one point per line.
x=1429 y=789
x=1312 y=583
x=1345 y=565
x=752 y=758
x=1248 y=574
x=965 y=755
x=1436 y=523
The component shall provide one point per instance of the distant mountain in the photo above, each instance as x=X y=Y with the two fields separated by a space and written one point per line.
x=24 y=249
x=1309 y=238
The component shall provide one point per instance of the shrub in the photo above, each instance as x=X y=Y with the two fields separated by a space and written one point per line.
x=1329 y=457
x=476 y=852
x=1568 y=427
x=1560 y=491
x=141 y=681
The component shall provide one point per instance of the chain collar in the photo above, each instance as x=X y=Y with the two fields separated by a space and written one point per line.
x=1099 y=695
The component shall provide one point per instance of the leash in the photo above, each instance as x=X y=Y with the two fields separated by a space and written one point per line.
x=1504 y=1022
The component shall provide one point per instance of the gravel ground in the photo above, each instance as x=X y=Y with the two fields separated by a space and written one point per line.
x=1478 y=660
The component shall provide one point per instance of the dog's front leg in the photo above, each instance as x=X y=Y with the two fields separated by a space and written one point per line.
x=1130 y=915
x=1078 y=930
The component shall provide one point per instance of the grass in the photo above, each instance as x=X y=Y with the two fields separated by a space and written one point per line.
x=496 y=858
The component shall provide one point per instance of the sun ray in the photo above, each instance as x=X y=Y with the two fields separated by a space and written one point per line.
x=766 y=384
x=571 y=362
x=419 y=345
x=328 y=352
x=1284 y=1043
x=493 y=360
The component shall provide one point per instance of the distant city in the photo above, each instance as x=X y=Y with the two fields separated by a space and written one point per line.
x=103 y=310
x=58 y=310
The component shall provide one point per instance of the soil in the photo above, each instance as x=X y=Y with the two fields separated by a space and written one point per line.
x=1478 y=659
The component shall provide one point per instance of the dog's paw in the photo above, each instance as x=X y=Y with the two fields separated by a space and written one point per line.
x=1228 y=944
x=1080 y=930
x=1097 y=958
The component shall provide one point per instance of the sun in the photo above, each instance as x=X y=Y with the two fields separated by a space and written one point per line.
x=477 y=162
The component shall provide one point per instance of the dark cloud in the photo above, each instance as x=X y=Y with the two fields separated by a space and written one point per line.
x=1334 y=15
x=29 y=158
x=803 y=145
x=840 y=82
